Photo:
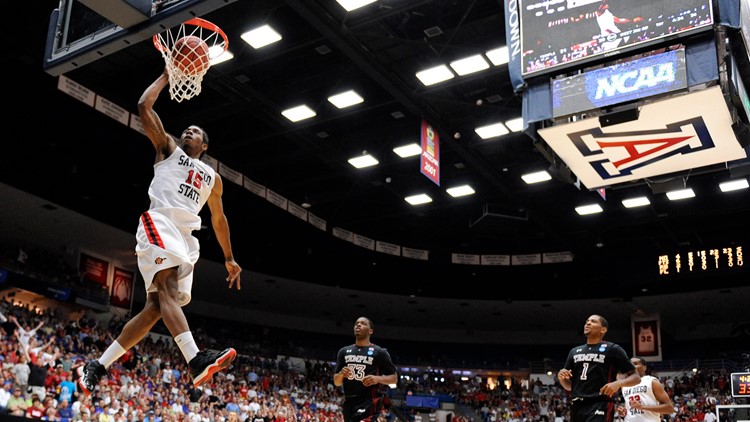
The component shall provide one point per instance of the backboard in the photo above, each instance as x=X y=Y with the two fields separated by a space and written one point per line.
x=82 y=31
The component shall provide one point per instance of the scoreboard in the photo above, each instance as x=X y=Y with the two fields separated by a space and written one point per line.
x=740 y=384
x=557 y=34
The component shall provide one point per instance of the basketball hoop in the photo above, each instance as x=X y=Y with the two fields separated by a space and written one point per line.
x=185 y=81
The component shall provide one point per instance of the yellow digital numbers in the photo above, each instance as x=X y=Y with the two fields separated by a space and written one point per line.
x=724 y=258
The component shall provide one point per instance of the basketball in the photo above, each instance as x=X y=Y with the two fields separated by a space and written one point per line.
x=190 y=55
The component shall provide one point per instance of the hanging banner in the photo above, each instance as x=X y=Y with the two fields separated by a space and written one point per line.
x=647 y=337
x=513 y=41
x=430 y=158
x=93 y=269
x=122 y=288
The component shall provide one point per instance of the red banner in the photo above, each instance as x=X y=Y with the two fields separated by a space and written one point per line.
x=93 y=269
x=122 y=289
x=430 y=158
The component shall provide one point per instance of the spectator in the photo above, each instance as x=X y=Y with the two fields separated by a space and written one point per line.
x=64 y=411
x=66 y=361
x=233 y=416
x=21 y=370
x=25 y=332
x=17 y=403
x=232 y=407
x=36 y=410
x=152 y=416
x=37 y=375
x=68 y=390
x=6 y=392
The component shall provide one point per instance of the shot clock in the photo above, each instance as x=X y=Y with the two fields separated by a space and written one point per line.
x=740 y=384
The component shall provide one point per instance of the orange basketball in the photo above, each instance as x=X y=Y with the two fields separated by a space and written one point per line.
x=190 y=55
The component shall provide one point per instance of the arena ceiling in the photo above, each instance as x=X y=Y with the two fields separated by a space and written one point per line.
x=75 y=156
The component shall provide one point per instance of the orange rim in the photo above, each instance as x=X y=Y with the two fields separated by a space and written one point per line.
x=195 y=22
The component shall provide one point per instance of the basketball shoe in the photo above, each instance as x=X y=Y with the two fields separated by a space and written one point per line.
x=208 y=362
x=90 y=375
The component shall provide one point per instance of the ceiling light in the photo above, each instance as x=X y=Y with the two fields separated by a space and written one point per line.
x=733 y=185
x=515 y=125
x=323 y=49
x=298 y=113
x=589 y=209
x=350 y=5
x=345 y=99
x=460 y=191
x=470 y=65
x=261 y=37
x=216 y=55
x=408 y=150
x=418 y=199
x=433 y=31
x=498 y=56
x=362 y=161
x=639 y=201
x=491 y=131
x=434 y=75
x=536 y=177
x=676 y=195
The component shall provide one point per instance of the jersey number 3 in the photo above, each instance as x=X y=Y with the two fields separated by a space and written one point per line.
x=358 y=370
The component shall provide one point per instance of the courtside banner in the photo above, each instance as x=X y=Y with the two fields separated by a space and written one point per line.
x=684 y=132
x=647 y=337
x=122 y=288
x=93 y=269
x=430 y=159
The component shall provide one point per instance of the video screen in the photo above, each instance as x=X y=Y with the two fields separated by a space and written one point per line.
x=639 y=78
x=562 y=33
x=745 y=24
x=739 y=91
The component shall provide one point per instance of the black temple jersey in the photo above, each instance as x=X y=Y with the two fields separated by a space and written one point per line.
x=363 y=360
x=594 y=365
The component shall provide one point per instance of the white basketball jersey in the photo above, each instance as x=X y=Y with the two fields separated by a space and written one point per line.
x=646 y=340
x=180 y=187
x=644 y=393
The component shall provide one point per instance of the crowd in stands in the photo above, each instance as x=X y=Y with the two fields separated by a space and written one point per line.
x=693 y=394
x=38 y=263
x=41 y=349
x=150 y=383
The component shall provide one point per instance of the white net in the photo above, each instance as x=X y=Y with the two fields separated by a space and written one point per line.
x=185 y=80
